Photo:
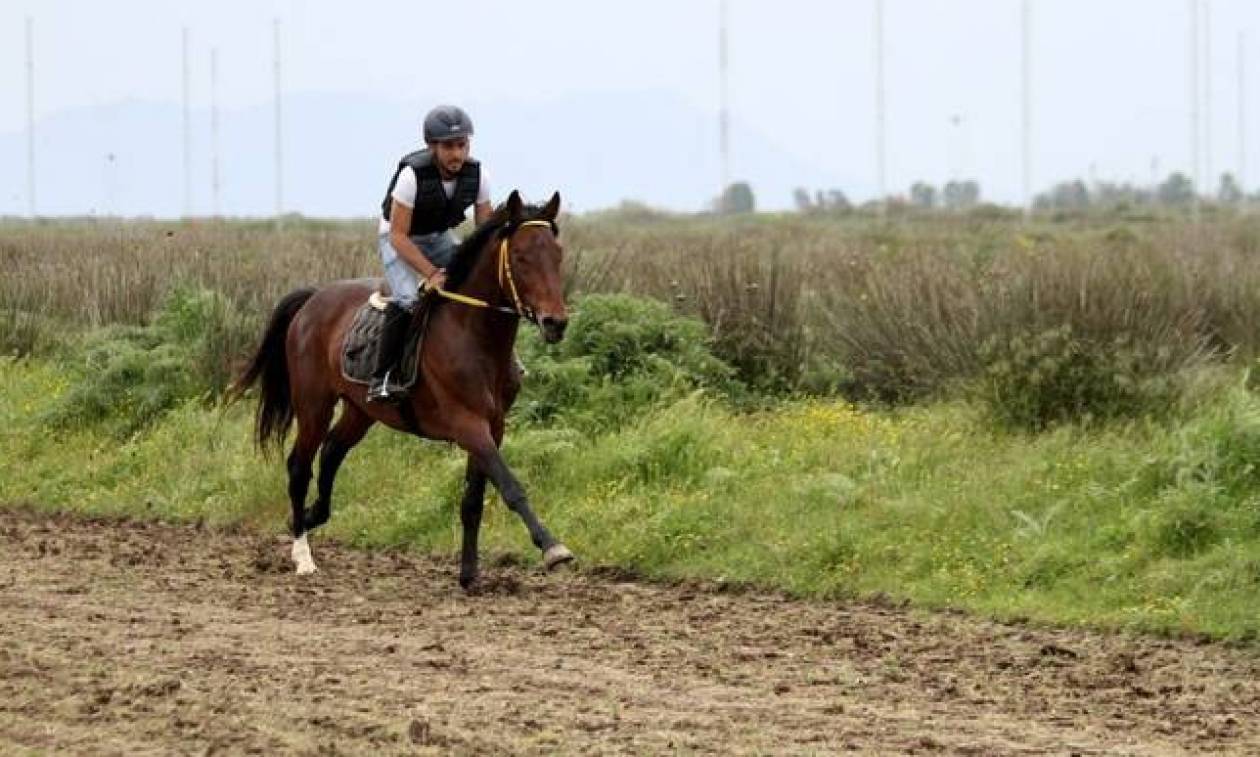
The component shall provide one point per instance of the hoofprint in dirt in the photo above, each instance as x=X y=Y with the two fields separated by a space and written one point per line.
x=119 y=637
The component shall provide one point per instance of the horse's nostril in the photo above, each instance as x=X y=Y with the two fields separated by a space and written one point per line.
x=553 y=328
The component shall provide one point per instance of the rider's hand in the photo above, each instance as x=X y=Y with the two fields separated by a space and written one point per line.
x=437 y=280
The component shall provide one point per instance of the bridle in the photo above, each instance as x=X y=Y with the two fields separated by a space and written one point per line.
x=506 y=281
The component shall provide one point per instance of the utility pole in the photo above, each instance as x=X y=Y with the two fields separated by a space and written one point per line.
x=1193 y=77
x=279 y=131
x=957 y=148
x=724 y=125
x=1242 y=114
x=1026 y=105
x=214 y=131
x=187 y=136
x=1208 y=169
x=30 y=117
x=881 y=156
x=110 y=176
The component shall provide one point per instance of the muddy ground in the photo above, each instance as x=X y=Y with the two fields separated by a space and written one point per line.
x=144 y=638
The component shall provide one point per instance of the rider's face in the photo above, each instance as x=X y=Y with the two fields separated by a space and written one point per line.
x=451 y=155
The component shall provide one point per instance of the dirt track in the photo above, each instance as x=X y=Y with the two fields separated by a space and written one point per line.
x=132 y=638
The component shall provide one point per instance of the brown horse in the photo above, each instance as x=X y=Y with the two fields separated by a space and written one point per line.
x=508 y=269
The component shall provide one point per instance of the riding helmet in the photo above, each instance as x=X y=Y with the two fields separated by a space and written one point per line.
x=447 y=122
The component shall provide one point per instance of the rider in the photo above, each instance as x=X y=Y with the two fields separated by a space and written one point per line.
x=427 y=197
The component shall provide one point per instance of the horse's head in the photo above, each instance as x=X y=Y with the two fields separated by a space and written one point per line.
x=530 y=265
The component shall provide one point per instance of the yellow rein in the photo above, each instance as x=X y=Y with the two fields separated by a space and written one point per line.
x=505 y=274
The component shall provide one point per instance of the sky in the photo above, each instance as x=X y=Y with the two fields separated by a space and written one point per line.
x=1110 y=91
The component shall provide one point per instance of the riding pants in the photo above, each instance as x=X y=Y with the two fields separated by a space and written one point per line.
x=404 y=282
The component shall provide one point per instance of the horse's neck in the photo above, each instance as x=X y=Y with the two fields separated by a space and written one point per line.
x=495 y=331
x=483 y=279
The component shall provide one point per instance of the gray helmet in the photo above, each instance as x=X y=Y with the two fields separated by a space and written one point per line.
x=447 y=122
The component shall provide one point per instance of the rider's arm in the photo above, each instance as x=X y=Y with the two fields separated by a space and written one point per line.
x=399 y=225
x=482 y=209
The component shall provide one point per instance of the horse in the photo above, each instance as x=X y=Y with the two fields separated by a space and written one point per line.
x=507 y=270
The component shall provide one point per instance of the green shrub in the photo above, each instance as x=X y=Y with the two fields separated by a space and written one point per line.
x=1187 y=522
x=26 y=328
x=22 y=333
x=1032 y=381
x=213 y=332
x=1218 y=449
x=622 y=355
x=129 y=376
x=623 y=335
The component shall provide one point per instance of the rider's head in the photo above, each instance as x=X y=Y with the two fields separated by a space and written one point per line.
x=446 y=132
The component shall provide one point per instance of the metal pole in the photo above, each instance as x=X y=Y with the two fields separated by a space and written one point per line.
x=30 y=117
x=214 y=130
x=279 y=131
x=110 y=177
x=1242 y=114
x=1194 y=103
x=881 y=155
x=724 y=137
x=187 y=136
x=1026 y=105
x=1208 y=169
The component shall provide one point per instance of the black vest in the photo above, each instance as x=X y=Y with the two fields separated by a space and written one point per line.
x=433 y=210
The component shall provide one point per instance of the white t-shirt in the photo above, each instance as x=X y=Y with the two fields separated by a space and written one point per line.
x=405 y=192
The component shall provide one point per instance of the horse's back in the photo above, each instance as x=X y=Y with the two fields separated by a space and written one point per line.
x=320 y=325
x=332 y=301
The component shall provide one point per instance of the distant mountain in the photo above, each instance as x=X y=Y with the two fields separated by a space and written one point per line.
x=597 y=149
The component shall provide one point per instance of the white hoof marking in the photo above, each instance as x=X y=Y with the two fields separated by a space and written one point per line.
x=302 y=556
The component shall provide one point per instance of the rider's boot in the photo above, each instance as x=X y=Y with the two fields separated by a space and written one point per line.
x=393 y=335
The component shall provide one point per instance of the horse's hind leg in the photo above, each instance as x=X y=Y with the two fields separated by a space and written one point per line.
x=346 y=432
x=312 y=420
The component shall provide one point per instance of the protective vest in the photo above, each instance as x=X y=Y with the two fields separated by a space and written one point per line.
x=434 y=211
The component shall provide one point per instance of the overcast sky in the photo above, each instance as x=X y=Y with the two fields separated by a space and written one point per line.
x=1110 y=87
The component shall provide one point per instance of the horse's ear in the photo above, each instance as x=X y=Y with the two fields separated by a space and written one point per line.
x=514 y=206
x=552 y=209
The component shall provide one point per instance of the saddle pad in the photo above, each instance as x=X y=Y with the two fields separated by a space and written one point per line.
x=358 y=354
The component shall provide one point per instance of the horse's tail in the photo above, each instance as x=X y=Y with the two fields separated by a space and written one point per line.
x=275 y=406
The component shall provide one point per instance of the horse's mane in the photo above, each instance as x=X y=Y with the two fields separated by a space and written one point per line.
x=469 y=250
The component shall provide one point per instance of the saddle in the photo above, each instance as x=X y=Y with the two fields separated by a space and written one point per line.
x=358 y=354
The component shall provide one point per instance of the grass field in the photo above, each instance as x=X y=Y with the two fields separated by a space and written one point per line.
x=1138 y=525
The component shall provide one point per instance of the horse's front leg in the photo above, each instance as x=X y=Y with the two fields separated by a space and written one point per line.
x=470 y=509
x=488 y=458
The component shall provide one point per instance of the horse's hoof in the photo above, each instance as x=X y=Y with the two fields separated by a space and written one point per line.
x=557 y=554
x=302 y=556
x=468 y=583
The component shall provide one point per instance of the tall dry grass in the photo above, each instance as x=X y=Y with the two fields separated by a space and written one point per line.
x=893 y=308
x=96 y=273
x=901 y=309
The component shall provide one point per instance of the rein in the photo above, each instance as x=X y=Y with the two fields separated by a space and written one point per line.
x=505 y=277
